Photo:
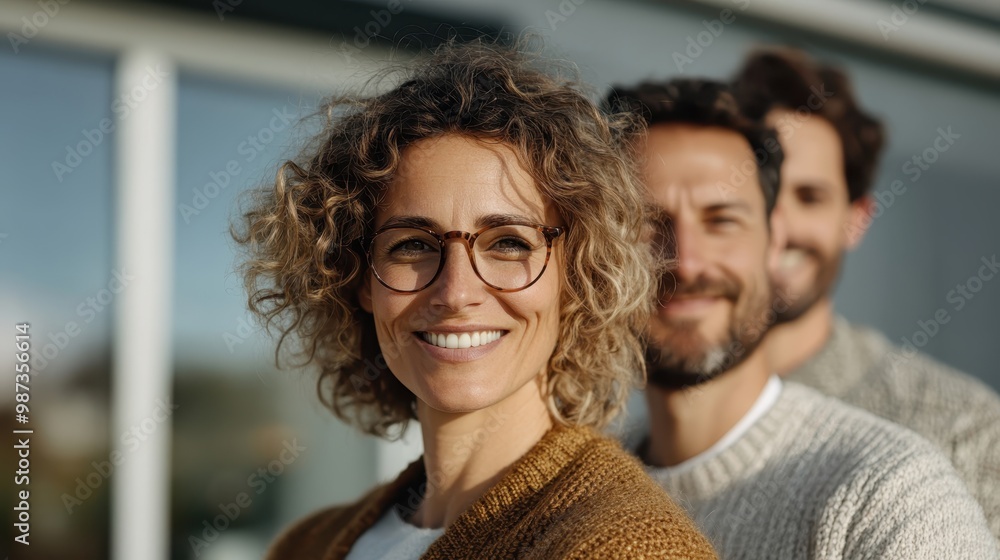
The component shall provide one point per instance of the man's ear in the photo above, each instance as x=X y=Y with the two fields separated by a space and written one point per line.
x=776 y=244
x=859 y=219
x=365 y=293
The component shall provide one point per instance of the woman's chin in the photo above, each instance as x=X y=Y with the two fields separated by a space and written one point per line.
x=459 y=402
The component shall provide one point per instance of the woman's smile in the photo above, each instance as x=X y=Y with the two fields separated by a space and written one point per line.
x=460 y=345
x=461 y=339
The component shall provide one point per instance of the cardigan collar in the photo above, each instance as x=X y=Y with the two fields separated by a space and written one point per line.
x=522 y=483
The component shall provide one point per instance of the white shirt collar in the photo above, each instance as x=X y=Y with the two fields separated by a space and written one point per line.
x=768 y=396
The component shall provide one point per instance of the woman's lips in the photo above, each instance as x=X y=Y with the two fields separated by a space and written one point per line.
x=488 y=340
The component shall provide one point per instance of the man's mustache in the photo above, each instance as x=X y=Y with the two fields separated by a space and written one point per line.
x=806 y=248
x=701 y=287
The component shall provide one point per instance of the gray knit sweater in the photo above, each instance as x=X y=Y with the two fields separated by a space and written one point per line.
x=954 y=411
x=816 y=478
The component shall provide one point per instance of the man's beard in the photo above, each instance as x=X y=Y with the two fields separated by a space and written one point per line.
x=699 y=361
x=827 y=272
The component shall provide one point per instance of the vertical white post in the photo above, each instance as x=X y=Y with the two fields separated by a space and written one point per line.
x=146 y=83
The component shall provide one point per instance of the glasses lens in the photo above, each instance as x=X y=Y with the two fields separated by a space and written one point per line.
x=405 y=259
x=510 y=257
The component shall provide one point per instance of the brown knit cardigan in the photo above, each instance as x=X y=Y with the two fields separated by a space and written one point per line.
x=574 y=495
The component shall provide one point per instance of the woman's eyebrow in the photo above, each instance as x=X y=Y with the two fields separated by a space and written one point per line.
x=490 y=220
x=412 y=221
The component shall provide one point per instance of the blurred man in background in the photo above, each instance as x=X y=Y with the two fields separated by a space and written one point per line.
x=831 y=151
x=767 y=469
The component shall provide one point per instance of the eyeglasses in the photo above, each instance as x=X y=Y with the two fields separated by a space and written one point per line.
x=507 y=257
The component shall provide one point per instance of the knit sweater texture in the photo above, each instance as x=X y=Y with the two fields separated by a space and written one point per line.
x=956 y=412
x=574 y=495
x=817 y=478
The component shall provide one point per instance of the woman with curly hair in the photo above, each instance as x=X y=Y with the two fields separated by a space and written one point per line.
x=466 y=250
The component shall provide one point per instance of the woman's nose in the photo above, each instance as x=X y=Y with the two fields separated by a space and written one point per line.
x=458 y=285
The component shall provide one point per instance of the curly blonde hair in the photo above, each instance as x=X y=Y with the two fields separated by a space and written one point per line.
x=306 y=236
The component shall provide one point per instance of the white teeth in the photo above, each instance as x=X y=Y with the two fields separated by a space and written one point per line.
x=463 y=340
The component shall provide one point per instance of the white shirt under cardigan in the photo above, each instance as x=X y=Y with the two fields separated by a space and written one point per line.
x=812 y=477
x=392 y=538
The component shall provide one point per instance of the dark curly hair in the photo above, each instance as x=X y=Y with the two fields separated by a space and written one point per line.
x=706 y=103
x=785 y=78
x=306 y=235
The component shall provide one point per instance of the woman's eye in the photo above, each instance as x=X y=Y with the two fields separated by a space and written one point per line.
x=410 y=246
x=510 y=244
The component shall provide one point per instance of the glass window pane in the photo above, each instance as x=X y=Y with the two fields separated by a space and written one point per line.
x=58 y=275
x=240 y=471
